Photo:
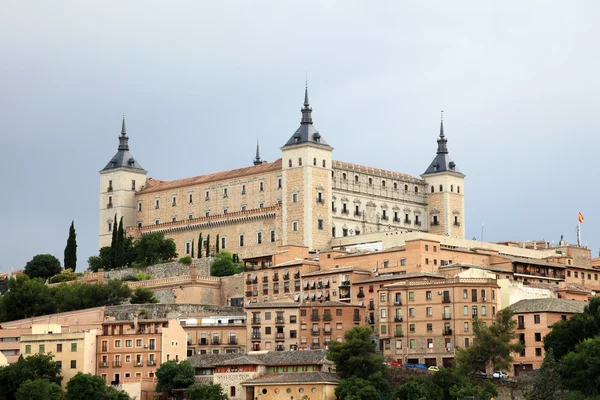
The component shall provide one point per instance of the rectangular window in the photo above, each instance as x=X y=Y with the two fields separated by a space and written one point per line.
x=383 y=313
x=412 y=343
x=538 y=352
x=261 y=186
x=207 y=194
x=411 y=296
x=466 y=327
x=42 y=348
x=117 y=343
x=27 y=349
x=538 y=337
x=59 y=347
x=465 y=294
x=429 y=311
x=279 y=183
x=259 y=238
x=73 y=364
x=428 y=295
x=174 y=201
x=190 y=198
x=466 y=310
x=320 y=224
x=140 y=206
x=295 y=226
x=403 y=262
x=231 y=391
x=411 y=327
x=272 y=236
x=411 y=312
x=536 y=319
x=73 y=347
x=294 y=197
x=241 y=240
x=483 y=310
x=429 y=327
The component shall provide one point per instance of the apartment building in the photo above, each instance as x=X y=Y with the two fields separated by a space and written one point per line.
x=331 y=284
x=300 y=326
x=426 y=321
x=223 y=334
x=534 y=321
x=136 y=348
x=74 y=352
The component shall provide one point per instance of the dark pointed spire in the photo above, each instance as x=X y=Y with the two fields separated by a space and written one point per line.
x=306 y=110
x=123 y=139
x=442 y=161
x=442 y=141
x=257 y=160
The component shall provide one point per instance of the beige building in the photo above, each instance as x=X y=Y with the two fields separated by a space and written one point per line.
x=73 y=351
x=534 y=321
x=305 y=198
x=215 y=334
x=136 y=348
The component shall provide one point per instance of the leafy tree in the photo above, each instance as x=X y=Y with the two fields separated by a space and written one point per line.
x=208 y=245
x=580 y=368
x=65 y=275
x=355 y=357
x=39 y=389
x=547 y=382
x=217 y=245
x=419 y=389
x=492 y=346
x=200 y=245
x=37 y=366
x=153 y=248
x=71 y=249
x=87 y=386
x=43 y=266
x=206 y=392
x=565 y=335
x=78 y=296
x=25 y=298
x=143 y=296
x=356 y=389
x=223 y=265
x=192 y=248
x=174 y=375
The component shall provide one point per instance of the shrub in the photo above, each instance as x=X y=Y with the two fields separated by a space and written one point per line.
x=65 y=276
x=129 y=278
x=186 y=260
x=141 y=276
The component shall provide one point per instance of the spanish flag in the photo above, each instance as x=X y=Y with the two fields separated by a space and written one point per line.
x=580 y=217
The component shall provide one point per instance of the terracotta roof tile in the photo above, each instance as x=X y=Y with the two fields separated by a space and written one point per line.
x=294 y=377
x=548 y=305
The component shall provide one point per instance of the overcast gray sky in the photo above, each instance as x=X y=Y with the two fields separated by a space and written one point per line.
x=199 y=81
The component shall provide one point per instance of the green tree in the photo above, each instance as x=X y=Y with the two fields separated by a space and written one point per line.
x=200 y=245
x=547 y=382
x=78 y=296
x=174 y=375
x=193 y=248
x=43 y=266
x=208 y=245
x=356 y=389
x=87 y=386
x=419 y=389
x=113 y=244
x=217 y=245
x=37 y=366
x=65 y=275
x=492 y=346
x=25 y=298
x=119 y=249
x=565 y=335
x=39 y=389
x=223 y=265
x=71 y=249
x=581 y=367
x=143 y=296
x=355 y=357
x=205 y=392
x=153 y=248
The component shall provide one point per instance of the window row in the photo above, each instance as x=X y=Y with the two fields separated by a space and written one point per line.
x=291 y=163
x=110 y=187
x=370 y=182
x=42 y=348
x=129 y=343
x=442 y=189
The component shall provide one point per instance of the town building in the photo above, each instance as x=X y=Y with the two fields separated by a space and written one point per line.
x=215 y=334
x=291 y=325
x=305 y=198
x=73 y=351
x=535 y=318
x=136 y=348
x=269 y=375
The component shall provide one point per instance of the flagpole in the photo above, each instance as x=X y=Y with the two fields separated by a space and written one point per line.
x=578 y=233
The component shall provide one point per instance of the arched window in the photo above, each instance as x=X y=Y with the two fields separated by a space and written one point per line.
x=300 y=161
x=395 y=185
x=382 y=183
x=324 y=165
x=314 y=161
x=356 y=178
x=290 y=163
x=370 y=181
x=406 y=188
x=441 y=188
x=416 y=189
x=344 y=176
x=432 y=189
x=458 y=189
x=452 y=188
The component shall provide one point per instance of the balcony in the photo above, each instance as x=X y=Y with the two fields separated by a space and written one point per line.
x=320 y=201
x=344 y=296
x=447 y=332
x=116 y=364
x=399 y=334
x=346 y=212
x=109 y=205
x=249 y=293
x=275 y=278
x=371 y=306
x=344 y=283
x=407 y=221
x=435 y=223
x=203 y=341
x=327 y=317
x=370 y=321
x=360 y=294
x=216 y=341
x=256 y=336
x=314 y=317
x=255 y=320
x=275 y=291
x=315 y=332
x=357 y=213
x=315 y=345
x=279 y=336
x=418 y=223
x=327 y=298
x=139 y=364
x=327 y=331
x=446 y=300
x=356 y=317
x=333 y=209
x=397 y=220
x=286 y=277
x=151 y=363
x=297 y=275
x=521 y=326
x=280 y=320
x=103 y=364
x=398 y=319
x=446 y=317
x=251 y=281
x=398 y=302
x=265 y=291
x=265 y=279
x=384 y=217
x=232 y=340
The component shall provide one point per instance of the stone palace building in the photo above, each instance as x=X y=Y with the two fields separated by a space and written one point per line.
x=305 y=198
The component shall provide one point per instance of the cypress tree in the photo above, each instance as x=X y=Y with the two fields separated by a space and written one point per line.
x=217 y=247
x=200 y=245
x=120 y=251
x=192 y=248
x=113 y=245
x=71 y=249
x=208 y=245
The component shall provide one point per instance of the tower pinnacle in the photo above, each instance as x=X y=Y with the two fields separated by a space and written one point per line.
x=257 y=160
x=123 y=139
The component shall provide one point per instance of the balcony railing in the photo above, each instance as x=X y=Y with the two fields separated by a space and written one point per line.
x=275 y=278
x=109 y=189
x=103 y=364
x=116 y=364
x=446 y=300
x=280 y=336
x=398 y=302
x=435 y=223
x=255 y=320
x=232 y=341
x=521 y=326
x=286 y=277
x=151 y=363
x=315 y=345
x=447 y=332
x=314 y=317
x=333 y=209
x=396 y=220
x=256 y=336
x=327 y=331
x=345 y=212
x=344 y=296
x=418 y=223
x=356 y=317
x=297 y=275
x=407 y=221
x=216 y=341
x=456 y=223
x=139 y=364
x=327 y=317
x=398 y=334
x=344 y=283
x=398 y=319
x=384 y=217
x=446 y=317
x=203 y=341
x=265 y=279
x=357 y=213
x=109 y=205
x=280 y=320
x=371 y=306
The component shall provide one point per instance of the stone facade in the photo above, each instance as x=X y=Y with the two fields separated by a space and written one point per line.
x=164 y=270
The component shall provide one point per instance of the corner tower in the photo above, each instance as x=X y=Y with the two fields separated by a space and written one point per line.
x=445 y=192
x=306 y=165
x=122 y=177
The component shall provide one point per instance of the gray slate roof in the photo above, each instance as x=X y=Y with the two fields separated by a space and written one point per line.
x=548 y=305
x=294 y=377
x=123 y=158
x=267 y=358
x=306 y=133
x=442 y=161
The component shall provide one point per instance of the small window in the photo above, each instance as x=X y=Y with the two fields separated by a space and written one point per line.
x=73 y=347
x=315 y=162
x=259 y=238
x=320 y=224
x=140 y=206
x=356 y=178
x=324 y=164
x=279 y=183
x=295 y=226
x=272 y=235
x=290 y=163
x=59 y=348
x=536 y=319
x=458 y=189
x=432 y=189
x=294 y=197
x=241 y=240
x=416 y=189
x=382 y=184
x=73 y=364
x=370 y=181
x=441 y=188
x=224 y=192
x=344 y=176
x=300 y=161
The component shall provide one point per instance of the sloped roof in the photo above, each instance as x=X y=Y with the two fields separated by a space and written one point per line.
x=294 y=377
x=532 y=261
x=269 y=358
x=241 y=360
x=334 y=271
x=442 y=161
x=123 y=158
x=548 y=305
x=295 y=357
x=404 y=276
x=306 y=133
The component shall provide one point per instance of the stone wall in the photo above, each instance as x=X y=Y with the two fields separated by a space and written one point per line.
x=165 y=270
x=126 y=311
